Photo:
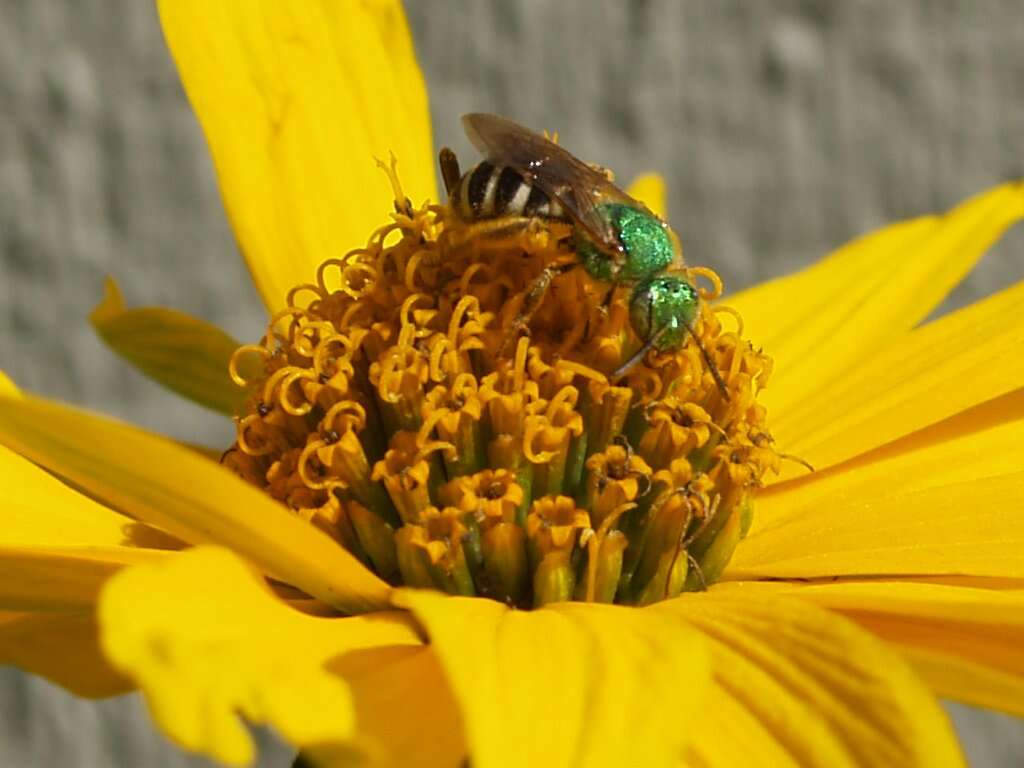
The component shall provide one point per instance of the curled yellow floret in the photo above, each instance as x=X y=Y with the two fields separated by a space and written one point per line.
x=406 y=410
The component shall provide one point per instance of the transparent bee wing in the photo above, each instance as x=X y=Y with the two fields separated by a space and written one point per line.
x=577 y=186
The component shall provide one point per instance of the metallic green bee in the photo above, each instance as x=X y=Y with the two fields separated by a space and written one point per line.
x=526 y=177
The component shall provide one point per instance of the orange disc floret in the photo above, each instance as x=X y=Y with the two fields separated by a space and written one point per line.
x=404 y=407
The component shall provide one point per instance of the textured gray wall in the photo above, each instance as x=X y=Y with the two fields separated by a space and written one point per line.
x=783 y=132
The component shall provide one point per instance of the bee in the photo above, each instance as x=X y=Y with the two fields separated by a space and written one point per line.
x=526 y=178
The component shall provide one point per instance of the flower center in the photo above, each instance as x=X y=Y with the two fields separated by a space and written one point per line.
x=446 y=410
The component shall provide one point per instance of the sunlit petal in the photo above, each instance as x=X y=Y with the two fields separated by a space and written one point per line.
x=820 y=323
x=206 y=641
x=58 y=547
x=965 y=643
x=406 y=713
x=804 y=686
x=297 y=99
x=569 y=684
x=63 y=648
x=934 y=372
x=970 y=527
x=183 y=493
x=7 y=388
x=62 y=578
x=39 y=510
x=980 y=442
x=928 y=503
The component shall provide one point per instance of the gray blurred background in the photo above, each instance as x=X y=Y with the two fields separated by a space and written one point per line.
x=783 y=130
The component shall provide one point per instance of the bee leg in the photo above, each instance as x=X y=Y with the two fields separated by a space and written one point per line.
x=532 y=300
x=450 y=171
x=606 y=303
x=531 y=235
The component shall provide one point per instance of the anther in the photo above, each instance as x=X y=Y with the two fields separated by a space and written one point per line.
x=436 y=367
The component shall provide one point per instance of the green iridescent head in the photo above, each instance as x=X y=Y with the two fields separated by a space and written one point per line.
x=645 y=239
x=664 y=305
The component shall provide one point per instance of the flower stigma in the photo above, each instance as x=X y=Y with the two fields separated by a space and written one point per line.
x=404 y=408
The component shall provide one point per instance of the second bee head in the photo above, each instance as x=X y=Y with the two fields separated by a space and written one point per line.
x=662 y=310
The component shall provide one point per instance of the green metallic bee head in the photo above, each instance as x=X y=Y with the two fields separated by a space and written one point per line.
x=662 y=309
x=645 y=241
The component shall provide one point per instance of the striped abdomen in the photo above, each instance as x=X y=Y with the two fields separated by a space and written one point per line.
x=490 y=191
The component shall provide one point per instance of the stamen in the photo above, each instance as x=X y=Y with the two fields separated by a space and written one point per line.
x=712 y=277
x=345 y=322
x=237 y=359
x=436 y=352
x=309 y=477
x=410 y=269
x=389 y=405
x=246 y=429
x=469 y=274
x=299 y=406
x=647 y=382
x=322 y=271
x=582 y=370
x=405 y=312
x=519 y=366
x=567 y=396
x=612 y=561
x=534 y=427
x=345 y=416
x=402 y=203
x=465 y=305
x=724 y=310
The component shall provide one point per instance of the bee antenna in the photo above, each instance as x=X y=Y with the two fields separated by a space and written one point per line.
x=710 y=363
x=623 y=369
x=450 y=172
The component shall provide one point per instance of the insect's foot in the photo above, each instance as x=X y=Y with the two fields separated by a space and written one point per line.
x=520 y=327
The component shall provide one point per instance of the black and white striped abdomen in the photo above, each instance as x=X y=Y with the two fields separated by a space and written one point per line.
x=490 y=191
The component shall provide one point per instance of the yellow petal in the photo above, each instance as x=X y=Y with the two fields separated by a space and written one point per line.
x=819 y=324
x=183 y=493
x=62 y=578
x=63 y=648
x=980 y=442
x=206 y=641
x=980 y=683
x=649 y=189
x=965 y=643
x=39 y=510
x=185 y=354
x=872 y=514
x=567 y=685
x=296 y=99
x=797 y=685
x=7 y=388
x=406 y=714
x=934 y=372
x=211 y=454
x=57 y=547
x=971 y=528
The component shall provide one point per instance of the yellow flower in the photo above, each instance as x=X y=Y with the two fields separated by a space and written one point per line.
x=891 y=575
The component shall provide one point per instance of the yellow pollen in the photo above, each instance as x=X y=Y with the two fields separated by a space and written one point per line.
x=427 y=405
